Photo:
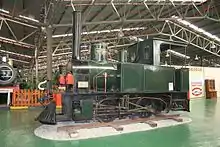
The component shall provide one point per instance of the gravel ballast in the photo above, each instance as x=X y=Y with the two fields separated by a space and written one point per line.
x=50 y=131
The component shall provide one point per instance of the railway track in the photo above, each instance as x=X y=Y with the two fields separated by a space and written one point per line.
x=117 y=125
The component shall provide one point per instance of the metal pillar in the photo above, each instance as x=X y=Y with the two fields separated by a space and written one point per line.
x=77 y=26
x=49 y=58
x=36 y=66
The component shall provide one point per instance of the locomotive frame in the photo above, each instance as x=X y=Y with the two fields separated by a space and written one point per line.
x=110 y=106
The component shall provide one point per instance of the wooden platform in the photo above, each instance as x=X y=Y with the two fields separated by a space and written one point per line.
x=117 y=125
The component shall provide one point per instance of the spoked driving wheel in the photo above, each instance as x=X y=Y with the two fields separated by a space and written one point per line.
x=7 y=74
x=150 y=106
x=106 y=110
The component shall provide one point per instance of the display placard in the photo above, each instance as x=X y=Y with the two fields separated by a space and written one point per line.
x=83 y=84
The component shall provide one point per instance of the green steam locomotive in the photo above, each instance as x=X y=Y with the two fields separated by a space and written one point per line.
x=105 y=91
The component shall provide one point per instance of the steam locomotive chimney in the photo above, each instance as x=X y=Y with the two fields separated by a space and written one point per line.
x=77 y=26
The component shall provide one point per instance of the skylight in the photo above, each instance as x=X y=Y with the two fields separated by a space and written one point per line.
x=196 y=28
x=103 y=31
x=200 y=1
x=21 y=16
x=4 y=11
x=130 y=1
x=178 y=54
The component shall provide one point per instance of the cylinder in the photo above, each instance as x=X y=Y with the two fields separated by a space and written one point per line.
x=77 y=26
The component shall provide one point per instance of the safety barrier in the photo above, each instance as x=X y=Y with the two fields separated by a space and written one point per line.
x=29 y=98
x=25 y=97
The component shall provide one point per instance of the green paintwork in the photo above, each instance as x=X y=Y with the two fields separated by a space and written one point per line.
x=157 y=78
x=141 y=52
x=131 y=77
x=145 y=78
x=17 y=127
x=134 y=77
x=111 y=79
x=86 y=112
x=182 y=79
x=87 y=109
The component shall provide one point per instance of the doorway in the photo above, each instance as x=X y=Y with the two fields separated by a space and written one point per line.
x=3 y=100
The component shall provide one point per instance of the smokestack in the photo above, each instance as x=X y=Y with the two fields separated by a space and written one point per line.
x=77 y=26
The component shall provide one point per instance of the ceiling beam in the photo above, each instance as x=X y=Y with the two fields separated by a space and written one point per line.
x=187 y=35
x=126 y=21
x=18 y=43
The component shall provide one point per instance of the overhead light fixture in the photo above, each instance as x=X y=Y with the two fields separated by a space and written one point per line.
x=4 y=11
x=178 y=54
x=84 y=46
x=196 y=58
x=213 y=45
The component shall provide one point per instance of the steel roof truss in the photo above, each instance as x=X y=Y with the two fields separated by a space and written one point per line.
x=188 y=36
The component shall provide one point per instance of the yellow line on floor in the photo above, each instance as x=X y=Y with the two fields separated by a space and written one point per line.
x=18 y=108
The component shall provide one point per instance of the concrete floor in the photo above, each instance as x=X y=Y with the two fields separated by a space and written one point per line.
x=16 y=130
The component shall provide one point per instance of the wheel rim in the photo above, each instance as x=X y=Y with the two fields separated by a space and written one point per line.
x=6 y=74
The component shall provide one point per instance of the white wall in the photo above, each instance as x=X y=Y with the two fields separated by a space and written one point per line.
x=196 y=82
x=197 y=77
